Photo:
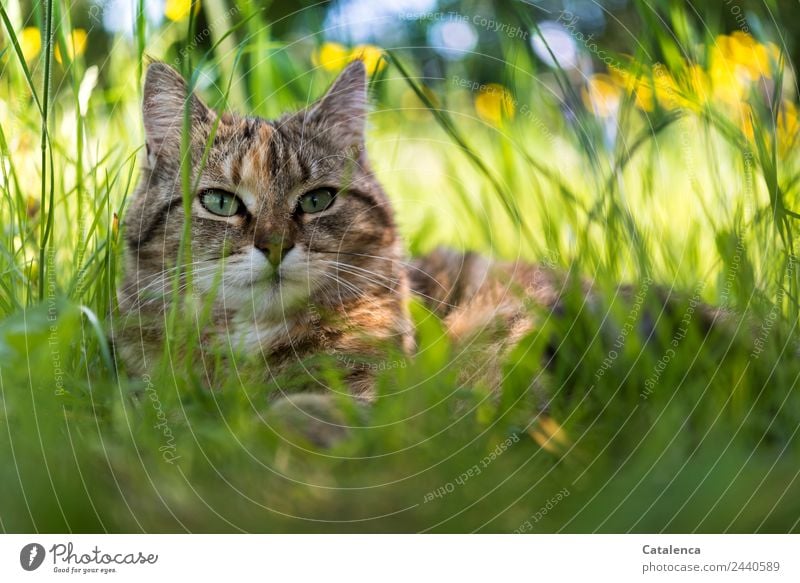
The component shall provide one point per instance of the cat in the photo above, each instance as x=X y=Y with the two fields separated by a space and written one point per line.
x=287 y=212
x=294 y=242
x=295 y=239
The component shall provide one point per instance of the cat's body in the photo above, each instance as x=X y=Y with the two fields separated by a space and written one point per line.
x=474 y=294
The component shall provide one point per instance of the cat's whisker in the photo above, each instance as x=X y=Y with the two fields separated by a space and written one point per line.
x=405 y=264
x=345 y=284
x=361 y=293
x=163 y=286
x=369 y=276
x=355 y=271
x=159 y=287
x=172 y=271
x=340 y=265
x=358 y=293
x=139 y=280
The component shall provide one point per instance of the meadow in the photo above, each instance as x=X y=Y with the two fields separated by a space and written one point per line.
x=661 y=154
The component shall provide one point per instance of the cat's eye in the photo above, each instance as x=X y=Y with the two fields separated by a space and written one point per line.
x=221 y=203
x=316 y=201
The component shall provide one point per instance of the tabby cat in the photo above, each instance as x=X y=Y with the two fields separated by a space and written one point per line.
x=295 y=240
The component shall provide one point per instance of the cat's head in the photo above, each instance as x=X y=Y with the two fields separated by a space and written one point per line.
x=283 y=213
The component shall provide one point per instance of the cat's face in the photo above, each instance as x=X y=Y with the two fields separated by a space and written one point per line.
x=283 y=213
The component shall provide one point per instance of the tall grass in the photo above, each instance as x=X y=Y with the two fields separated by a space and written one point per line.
x=694 y=199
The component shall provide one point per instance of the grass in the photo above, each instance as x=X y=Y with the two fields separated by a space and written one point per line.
x=687 y=432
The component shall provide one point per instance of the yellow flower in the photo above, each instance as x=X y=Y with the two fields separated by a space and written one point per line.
x=30 y=42
x=372 y=57
x=494 y=103
x=788 y=127
x=76 y=45
x=638 y=86
x=668 y=93
x=331 y=56
x=647 y=87
x=177 y=10
x=729 y=81
x=550 y=435
x=743 y=50
x=699 y=86
x=601 y=95
x=726 y=85
x=744 y=115
x=735 y=62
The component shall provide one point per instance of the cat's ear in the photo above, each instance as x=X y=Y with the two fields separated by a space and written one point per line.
x=165 y=94
x=343 y=109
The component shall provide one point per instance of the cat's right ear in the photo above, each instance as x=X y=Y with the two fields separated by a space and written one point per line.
x=343 y=109
x=163 y=106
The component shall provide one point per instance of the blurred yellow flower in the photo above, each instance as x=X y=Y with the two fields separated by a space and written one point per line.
x=601 y=95
x=727 y=87
x=728 y=80
x=744 y=117
x=735 y=62
x=788 y=127
x=177 y=10
x=699 y=86
x=372 y=57
x=76 y=45
x=668 y=93
x=657 y=85
x=30 y=42
x=549 y=435
x=753 y=58
x=639 y=87
x=331 y=56
x=494 y=103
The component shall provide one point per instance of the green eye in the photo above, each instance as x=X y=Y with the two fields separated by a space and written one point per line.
x=220 y=202
x=316 y=200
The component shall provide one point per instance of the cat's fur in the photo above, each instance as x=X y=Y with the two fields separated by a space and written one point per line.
x=343 y=287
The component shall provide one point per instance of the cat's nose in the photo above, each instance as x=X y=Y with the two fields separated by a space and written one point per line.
x=275 y=248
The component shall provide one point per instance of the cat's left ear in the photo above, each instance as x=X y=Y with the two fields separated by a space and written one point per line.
x=343 y=109
x=166 y=96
